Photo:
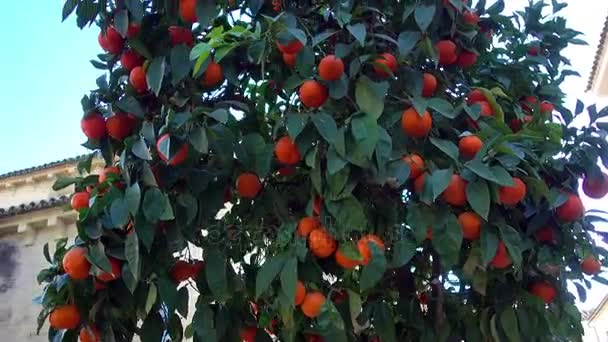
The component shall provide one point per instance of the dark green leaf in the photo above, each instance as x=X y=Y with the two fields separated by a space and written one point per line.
x=199 y=140
x=349 y=214
x=372 y=273
x=508 y=320
x=168 y=292
x=478 y=196
x=63 y=182
x=403 y=251
x=130 y=105
x=289 y=278
x=268 y=272
x=215 y=270
x=384 y=322
x=489 y=244
x=439 y=180
x=446 y=147
x=513 y=241
x=155 y=74
x=407 y=41
x=326 y=126
x=136 y=7
x=424 y=16
x=119 y=212
x=68 y=8
x=153 y=204
x=140 y=149
x=132 y=253
x=133 y=197
x=180 y=63
x=370 y=96
x=97 y=256
x=443 y=107
x=358 y=31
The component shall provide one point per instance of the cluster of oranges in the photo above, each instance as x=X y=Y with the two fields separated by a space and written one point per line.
x=118 y=126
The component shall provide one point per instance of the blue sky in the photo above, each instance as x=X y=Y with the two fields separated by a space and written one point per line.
x=45 y=73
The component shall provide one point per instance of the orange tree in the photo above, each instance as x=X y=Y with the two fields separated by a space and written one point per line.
x=351 y=170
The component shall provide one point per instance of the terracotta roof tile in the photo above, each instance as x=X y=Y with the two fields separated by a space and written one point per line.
x=42 y=167
x=33 y=206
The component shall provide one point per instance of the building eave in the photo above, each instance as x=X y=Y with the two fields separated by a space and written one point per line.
x=599 y=56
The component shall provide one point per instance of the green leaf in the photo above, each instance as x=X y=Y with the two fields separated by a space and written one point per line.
x=203 y=323
x=136 y=7
x=132 y=253
x=512 y=241
x=481 y=169
x=121 y=22
x=442 y=107
x=189 y=202
x=407 y=40
x=508 y=320
x=153 y=204
x=215 y=270
x=153 y=328
x=97 y=256
x=336 y=183
x=370 y=96
x=289 y=278
x=349 y=214
x=140 y=149
x=326 y=126
x=295 y=124
x=63 y=182
x=168 y=292
x=119 y=212
x=255 y=154
x=446 y=147
x=424 y=16
x=403 y=251
x=205 y=12
x=68 y=8
x=200 y=53
x=439 y=180
x=130 y=104
x=151 y=298
x=268 y=272
x=502 y=176
x=321 y=37
x=155 y=74
x=335 y=163
x=447 y=240
x=489 y=245
x=366 y=131
x=384 y=322
x=478 y=196
x=221 y=115
x=199 y=139
x=374 y=271
x=358 y=31
x=180 y=63
x=133 y=197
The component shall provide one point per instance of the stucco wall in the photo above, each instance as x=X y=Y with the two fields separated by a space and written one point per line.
x=596 y=330
x=21 y=259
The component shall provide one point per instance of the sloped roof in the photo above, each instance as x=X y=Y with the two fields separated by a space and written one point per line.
x=591 y=314
x=33 y=206
x=598 y=55
x=42 y=167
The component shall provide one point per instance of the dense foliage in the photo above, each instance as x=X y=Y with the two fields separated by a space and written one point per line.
x=351 y=170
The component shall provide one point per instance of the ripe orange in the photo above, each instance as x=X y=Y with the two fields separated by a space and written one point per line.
x=181 y=271
x=455 y=194
x=591 y=266
x=287 y=152
x=475 y=96
x=313 y=94
x=311 y=306
x=292 y=47
x=502 y=259
x=116 y=272
x=466 y=59
x=429 y=84
x=180 y=35
x=546 y=235
x=596 y=186
x=287 y=171
x=80 y=200
x=75 y=263
x=131 y=59
x=321 y=243
x=544 y=290
x=546 y=107
x=248 y=185
x=248 y=334
x=470 y=223
x=331 y=68
x=571 y=210
x=389 y=61
x=344 y=261
x=110 y=170
x=469 y=146
x=65 y=317
x=446 y=52
x=289 y=59
x=470 y=18
x=429 y=233
x=300 y=293
x=528 y=103
x=178 y=158
x=414 y=125
x=137 y=78
x=511 y=195
x=93 y=126
x=187 y=10
x=416 y=164
x=111 y=41
x=120 y=125
x=89 y=334
x=133 y=30
x=307 y=225
x=364 y=249
x=419 y=183
x=486 y=108
x=213 y=76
